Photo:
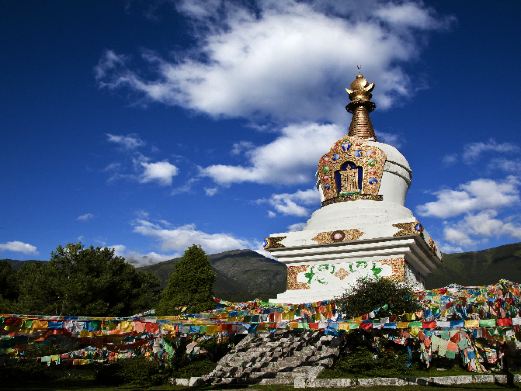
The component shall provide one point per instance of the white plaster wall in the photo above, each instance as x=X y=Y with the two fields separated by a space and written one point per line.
x=353 y=214
x=394 y=187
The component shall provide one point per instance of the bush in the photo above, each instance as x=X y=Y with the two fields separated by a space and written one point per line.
x=366 y=358
x=20 y=372
x=391 y=298
x=198 y=367
x=134 y=371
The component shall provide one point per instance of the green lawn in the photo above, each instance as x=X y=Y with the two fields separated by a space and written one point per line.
x=405 y=388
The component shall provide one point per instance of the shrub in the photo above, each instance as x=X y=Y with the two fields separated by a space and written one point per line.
x=198 y=367
x=135 y=371
x=365 y=358
x=390 y=297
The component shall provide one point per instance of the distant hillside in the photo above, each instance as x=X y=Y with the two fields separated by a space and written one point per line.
x=245 y=274
x=240 y=275
x=479 y=267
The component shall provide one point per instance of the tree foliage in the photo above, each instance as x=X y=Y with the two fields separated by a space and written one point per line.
x=89 y=281
x=391 y=298
x=190 y=285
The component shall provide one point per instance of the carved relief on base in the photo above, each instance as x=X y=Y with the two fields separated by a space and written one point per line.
x=338 y=236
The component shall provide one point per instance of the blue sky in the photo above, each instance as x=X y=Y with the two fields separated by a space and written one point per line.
x=149 y=126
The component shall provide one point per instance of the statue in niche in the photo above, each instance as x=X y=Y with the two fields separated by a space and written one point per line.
x=349 y=179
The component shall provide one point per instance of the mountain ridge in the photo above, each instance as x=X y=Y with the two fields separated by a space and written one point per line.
x=245 y=274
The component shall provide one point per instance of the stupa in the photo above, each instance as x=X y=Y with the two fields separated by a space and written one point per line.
x=362 y=228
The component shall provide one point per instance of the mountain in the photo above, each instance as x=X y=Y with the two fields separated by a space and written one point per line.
x=240 y=275
x=244 y=274
x=478 y=267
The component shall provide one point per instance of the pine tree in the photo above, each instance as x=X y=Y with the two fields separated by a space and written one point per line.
x=190 y=285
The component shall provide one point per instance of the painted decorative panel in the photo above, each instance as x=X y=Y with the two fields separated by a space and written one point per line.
x=345 y=274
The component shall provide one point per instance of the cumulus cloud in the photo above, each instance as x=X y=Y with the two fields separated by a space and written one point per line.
x=410 y=15
x=289 y=159
x=139 y=259
x=480 y=226
x=135 y=165
x=160 y=172
x=177 y=239
x=295 y=204
x=129 y=141
x=285 y=61
x=85 y=217
x=476 y=195
x=17 y=246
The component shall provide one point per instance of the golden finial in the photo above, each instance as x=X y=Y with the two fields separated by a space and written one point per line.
x=360 y=96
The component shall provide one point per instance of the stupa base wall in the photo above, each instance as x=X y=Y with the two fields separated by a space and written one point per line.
x=327 y=271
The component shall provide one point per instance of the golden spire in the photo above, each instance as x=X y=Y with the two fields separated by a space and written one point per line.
x=360 y=96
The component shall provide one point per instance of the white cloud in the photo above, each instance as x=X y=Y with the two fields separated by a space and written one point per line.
x=126 y=141
x=289 y=159
x=486 y=224
x=457 y=235
x=447 y=248
x=85 y=217
x=179 y=238
x=295 y=204
x=198 y=9
x=139 y=167
x=17 y=246
x=410 y=15
x=107 y=63
x=138 y=259
x=210 y=191
x=281 y=60
x=241 y=146
x=160 y=172
x=449 y=160
x=508 y=165
x=389 y=138
x=476 y=195
x=472 y=152
x=296 y=227
x=478 y=227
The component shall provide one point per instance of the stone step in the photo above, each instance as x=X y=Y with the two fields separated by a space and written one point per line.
x=274 y=359
x=275 y=381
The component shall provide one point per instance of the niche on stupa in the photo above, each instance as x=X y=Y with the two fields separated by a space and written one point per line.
x=351 y=170
x=349 y=179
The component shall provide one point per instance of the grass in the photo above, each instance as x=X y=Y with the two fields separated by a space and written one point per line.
x=334 y=373
x=394 y=388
